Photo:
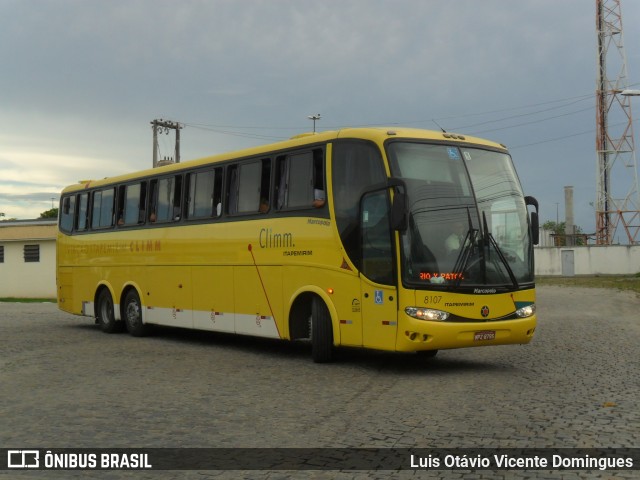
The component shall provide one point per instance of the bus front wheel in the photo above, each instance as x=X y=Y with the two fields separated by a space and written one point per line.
x=105 y=315
x=321 y=332
x=132 y=312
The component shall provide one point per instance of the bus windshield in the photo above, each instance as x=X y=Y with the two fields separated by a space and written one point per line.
x=468 y=223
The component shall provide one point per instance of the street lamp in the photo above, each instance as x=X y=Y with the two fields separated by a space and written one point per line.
x=314 y=118
x=628 y=92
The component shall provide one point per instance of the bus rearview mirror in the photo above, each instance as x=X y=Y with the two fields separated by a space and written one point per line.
x=399 y=212
x=535 y=228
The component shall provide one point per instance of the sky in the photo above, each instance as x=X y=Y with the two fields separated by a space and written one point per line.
x=80 y=82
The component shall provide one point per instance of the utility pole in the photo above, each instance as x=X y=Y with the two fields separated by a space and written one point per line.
x=615 y=147
x=163 y=126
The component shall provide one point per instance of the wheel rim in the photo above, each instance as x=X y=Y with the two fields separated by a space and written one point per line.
x=133 y=313
x=106 y=312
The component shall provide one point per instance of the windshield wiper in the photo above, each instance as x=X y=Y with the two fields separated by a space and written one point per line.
x=465 y=252
x=491 y=242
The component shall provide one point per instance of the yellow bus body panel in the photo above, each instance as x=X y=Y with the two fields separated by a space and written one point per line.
x=414 y=334
x=244 y=275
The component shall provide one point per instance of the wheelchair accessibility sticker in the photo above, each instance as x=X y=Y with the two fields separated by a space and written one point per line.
x=378 y=297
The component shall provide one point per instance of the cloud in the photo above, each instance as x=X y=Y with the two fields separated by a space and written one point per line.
x=33 y=197
x=82 y=80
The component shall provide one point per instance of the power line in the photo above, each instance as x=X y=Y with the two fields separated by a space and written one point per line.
x=206 y=126
x=535 y=121
x=232 y=130
x=556 y=139
x=528 y=114
x=508 y=109
x=235 y=134
x=549 y=140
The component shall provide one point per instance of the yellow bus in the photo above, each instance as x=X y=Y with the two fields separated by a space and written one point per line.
x=393 y=239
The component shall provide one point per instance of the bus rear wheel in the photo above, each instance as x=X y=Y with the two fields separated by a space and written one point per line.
x=132 y=312
x=321 y=332
x=105 y=315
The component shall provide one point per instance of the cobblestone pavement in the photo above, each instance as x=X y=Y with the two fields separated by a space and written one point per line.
x=66 y=384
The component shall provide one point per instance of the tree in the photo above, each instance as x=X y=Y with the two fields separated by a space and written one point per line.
x=53 y=213
x=559 y=233
x=557 y=228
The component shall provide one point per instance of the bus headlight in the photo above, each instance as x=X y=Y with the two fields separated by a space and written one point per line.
x=527 y=311
x=427 y=314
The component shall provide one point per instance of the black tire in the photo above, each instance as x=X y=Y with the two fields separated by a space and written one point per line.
x=321 y=332
x=132 y=314
x=105 y=316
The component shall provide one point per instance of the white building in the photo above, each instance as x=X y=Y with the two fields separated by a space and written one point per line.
x=28 y=259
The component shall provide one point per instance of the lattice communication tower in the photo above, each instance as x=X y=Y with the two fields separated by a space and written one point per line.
x=617 y=192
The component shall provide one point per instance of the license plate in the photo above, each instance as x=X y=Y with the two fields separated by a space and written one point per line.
x=484 y=335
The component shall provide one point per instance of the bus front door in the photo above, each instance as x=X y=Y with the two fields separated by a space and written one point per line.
x=379 y=315
x=379 y=297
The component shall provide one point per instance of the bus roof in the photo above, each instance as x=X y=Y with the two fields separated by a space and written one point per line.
x=375 y=134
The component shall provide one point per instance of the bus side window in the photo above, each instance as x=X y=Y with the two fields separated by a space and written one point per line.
x=177 y=199
x=217 y=192
x=299 y=183
x=249 y=187
x=204 y=196
x=131 y=204
x=102 y=208
x=142 y=203
x=319 y=187
x=300 y=180
x=232 y=190
x=120 y=205
x=82 y=212
x=68 y=213
x=152 y=203
x=355 y=166
x=281 y=182
x=265 y=183
x=377 y=246
x=96 y=198
x=167 y=199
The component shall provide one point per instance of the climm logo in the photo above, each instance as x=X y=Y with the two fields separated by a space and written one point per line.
x=270 y=239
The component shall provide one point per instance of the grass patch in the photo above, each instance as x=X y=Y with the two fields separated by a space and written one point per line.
x=27 y=300
x=619 y=282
